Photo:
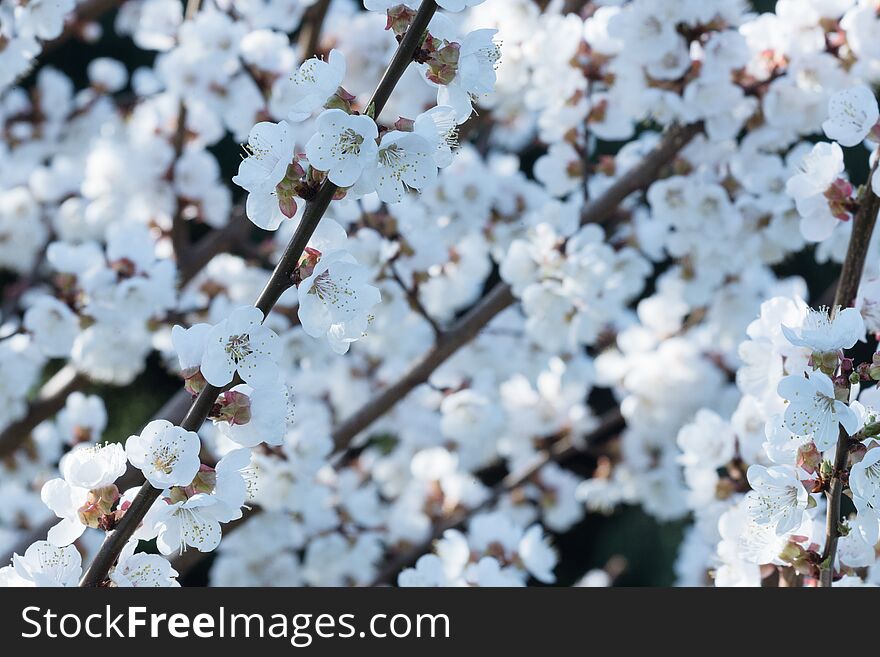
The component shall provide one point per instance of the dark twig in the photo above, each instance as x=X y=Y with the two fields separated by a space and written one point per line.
x=847 y=289
x=49 y=401
x=281 y=280
x=412 y=296
x=310 y=32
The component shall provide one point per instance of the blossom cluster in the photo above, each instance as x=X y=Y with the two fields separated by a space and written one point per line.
x=561 y=270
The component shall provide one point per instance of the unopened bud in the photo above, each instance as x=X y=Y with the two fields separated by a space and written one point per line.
x=857 y=451
x=306 y=266
x=400 y=17
x=825 y=361
x=194 y=382
x=404 y=125
x=340 y=100
x=809 y=458
x=840 y=200
x=792 y=553
x=99 y=503
x=205 y=481
x=176 y=494
x=442 y=60
x=233 y=407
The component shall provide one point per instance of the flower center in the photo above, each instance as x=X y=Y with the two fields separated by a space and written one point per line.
x=164 y=459
x=238 y=347
x=350 y=142
x=335 y=293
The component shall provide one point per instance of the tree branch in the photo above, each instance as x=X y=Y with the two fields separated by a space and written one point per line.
x=179 y=227
x=310 y=32
x=461 y=333
x=600 y=209
x=847 y=289
x=49 y=401
x=280 y=281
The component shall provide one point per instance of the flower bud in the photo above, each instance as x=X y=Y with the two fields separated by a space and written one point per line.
x=404 y=125
x=193 y=381
x=307 y=262
x=809 y=458
x=400 y=17
x=232 y=407
x=99 y=503
x=205 y=481
x=341 y=100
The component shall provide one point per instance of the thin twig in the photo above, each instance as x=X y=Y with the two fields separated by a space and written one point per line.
x=460 y=334
x=412 y=296
x=641 y=175
x=179 y=226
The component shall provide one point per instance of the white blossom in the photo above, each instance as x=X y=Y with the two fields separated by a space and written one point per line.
x=168 y=455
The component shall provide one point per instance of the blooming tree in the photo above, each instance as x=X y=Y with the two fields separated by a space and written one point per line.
x=483 y=268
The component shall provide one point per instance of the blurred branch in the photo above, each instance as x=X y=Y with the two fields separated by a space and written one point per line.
x=562 y=449
x=450 y=341
x=412 y=296
x=600 y=209
x=179 y=226
x=50 y=399
x=310 y=32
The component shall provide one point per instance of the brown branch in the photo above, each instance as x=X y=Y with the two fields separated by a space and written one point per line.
x=310 y=32
x=847 y=289
x=281 y=280
x=179 y=226
x=49 y=401
x=212 y=244
x=180 y=241
x=461 y=333
x=602 y=208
